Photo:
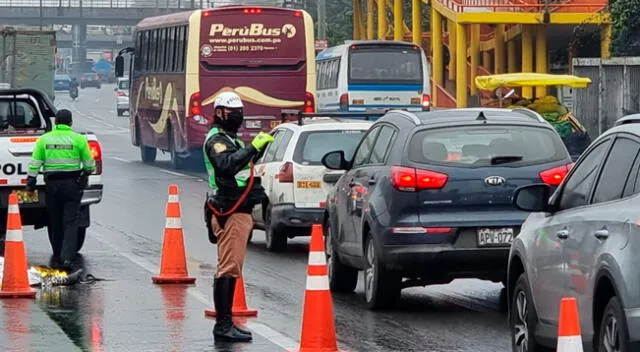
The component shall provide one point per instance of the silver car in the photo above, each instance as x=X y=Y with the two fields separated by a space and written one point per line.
x=582 y=241
x=122 y=95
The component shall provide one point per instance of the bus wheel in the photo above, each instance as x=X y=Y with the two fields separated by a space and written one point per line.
x=147 y=154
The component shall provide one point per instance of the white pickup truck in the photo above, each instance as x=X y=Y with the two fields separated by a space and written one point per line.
x=26 y=114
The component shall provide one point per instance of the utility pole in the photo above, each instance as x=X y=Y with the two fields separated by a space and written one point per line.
x=322 y=19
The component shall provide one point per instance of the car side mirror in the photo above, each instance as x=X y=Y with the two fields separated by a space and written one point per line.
x=119 y=66
x=532 y=198
x=335 y=160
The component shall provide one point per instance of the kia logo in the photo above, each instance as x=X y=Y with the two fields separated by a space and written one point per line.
x=494 y=180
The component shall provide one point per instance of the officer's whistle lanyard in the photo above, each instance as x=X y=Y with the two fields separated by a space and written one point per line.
x=242 y=198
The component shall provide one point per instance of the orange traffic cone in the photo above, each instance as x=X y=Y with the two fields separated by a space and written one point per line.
x=173 y=265
x=239 y=308
x=15 y=280
x=318 y=329
x=569 y=337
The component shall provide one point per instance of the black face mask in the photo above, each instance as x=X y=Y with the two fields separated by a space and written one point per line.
x=233 y=121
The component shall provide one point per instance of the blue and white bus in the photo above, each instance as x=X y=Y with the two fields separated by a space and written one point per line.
x=373 y=75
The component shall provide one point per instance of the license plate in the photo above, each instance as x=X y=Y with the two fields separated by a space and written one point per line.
x=25 y=197
x=275 y=123
x=253 y=124
x=309 y=184
x=495 y=237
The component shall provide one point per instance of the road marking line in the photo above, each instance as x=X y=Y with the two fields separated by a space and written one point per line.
x=120 y=159
x=176 y=173
x=263 y=330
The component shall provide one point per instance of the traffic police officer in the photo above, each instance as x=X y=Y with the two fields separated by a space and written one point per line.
x=66 y=162
x=228 y=162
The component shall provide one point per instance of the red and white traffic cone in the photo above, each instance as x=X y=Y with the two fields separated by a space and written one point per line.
x=569 y=337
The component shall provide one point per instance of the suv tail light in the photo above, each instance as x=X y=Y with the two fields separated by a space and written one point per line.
x=309 y=102
x=96 y=153
x=426 y=102
x=555 y=176
x=408 y=179
x=286 y=173
x=344 y=102
x=121 y=94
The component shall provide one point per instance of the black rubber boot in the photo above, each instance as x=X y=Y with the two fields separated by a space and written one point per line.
x=224 y=330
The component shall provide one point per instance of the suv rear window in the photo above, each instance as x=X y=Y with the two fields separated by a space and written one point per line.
x=124 y=85
x=474 y=146
x=313 y=145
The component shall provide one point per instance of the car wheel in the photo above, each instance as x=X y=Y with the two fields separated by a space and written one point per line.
x=523 y=318
x=342 y=278
x=275 y=240
x=614 y=333
x=381 y=287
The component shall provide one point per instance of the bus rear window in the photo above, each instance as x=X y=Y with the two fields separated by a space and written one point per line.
x=386 y=65
x=312 y=146
x=271 y=38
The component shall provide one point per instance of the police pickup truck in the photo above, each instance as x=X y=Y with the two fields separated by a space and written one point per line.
x=26 y=114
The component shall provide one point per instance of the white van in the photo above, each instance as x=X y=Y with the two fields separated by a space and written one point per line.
x=373 y=75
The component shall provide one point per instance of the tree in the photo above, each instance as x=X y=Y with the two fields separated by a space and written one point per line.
x=625 y=39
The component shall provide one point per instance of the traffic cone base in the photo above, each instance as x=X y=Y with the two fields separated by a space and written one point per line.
x=15 y=280
x=318 y=328
x=173 y=264
x=239 y=308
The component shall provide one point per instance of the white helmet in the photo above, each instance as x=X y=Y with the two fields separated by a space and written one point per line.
x=229 y=100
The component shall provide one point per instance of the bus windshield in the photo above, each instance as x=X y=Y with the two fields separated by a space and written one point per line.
x=385 y=64
x=241 y=40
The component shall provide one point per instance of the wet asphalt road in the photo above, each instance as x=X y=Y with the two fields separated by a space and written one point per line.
x=129 y=313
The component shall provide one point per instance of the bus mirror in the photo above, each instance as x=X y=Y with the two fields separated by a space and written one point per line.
x=119 y=66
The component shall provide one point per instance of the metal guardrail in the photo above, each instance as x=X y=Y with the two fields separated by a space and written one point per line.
x=163 y=4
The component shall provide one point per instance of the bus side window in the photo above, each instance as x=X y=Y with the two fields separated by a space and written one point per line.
x=333 y=78
x=153 y=50
x=146 y=46
x=321 y=74
x=171 y=57
x=182 y=48
x=138 y=50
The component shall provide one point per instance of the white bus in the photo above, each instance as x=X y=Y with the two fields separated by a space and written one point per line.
x=373 y=75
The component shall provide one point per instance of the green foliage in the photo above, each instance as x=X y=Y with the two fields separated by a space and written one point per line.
x=625 y=39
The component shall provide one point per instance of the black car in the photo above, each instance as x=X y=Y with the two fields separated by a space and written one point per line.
x=90 y=79
x=427 y=197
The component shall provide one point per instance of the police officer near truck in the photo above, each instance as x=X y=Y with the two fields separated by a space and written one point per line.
x=228 y=208
x=65 y=159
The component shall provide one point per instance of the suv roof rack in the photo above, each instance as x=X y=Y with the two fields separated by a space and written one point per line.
x=334 y=115
x=633 y=118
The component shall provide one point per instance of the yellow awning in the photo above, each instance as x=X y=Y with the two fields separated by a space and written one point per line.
x=530 y=80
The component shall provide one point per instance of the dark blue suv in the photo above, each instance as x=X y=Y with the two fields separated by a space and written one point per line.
x=427 y=197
